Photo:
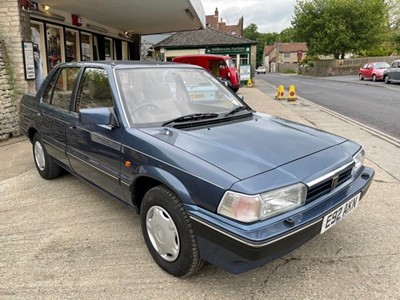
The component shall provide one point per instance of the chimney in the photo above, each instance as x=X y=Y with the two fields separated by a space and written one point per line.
x=216 y=13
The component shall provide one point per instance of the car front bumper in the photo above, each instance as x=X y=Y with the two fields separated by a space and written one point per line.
x=238 y=249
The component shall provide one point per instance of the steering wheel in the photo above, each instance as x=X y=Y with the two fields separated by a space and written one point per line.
x=150 y=106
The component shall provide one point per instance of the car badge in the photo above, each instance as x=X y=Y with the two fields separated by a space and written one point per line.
x=335 y=181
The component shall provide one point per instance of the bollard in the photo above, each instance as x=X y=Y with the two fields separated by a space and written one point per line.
x=281 y=93
x=292 y=93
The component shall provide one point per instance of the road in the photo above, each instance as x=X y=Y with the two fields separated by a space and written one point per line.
x=375 y=104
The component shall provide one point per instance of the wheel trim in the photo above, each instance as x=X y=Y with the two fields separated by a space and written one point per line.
x=163 y=233
x=39 y=156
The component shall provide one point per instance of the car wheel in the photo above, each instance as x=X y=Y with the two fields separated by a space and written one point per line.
x=168 y=232
x=361 y=77
x=386 y=79
x=45 y=164
x=374 y=77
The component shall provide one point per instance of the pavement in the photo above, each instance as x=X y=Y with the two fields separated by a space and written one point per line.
x=61 y=239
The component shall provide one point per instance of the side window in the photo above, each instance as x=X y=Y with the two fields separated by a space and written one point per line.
x=59 y=91
x=94 y=90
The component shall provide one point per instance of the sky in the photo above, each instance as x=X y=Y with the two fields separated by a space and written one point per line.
x=268 y=15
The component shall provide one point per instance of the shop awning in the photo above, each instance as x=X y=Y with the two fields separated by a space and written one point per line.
x=136 y=16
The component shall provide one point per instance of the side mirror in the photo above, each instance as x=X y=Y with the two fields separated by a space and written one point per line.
x=99 y=116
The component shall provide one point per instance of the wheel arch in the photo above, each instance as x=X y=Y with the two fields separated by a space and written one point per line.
x=31 y=133
x=155 y=177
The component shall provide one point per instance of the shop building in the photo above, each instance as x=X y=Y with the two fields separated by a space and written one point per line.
x=37 y=35
x=210 y=41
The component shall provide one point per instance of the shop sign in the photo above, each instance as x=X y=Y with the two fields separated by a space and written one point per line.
x=228 y=50
x=244 y=71
x=29 y=61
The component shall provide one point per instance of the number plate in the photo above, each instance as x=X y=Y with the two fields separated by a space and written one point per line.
x=339 y=213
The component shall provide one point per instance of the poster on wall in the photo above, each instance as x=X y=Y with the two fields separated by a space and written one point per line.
x=29 y=61
x=54 y=42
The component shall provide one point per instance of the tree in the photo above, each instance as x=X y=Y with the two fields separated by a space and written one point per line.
x=340 y=26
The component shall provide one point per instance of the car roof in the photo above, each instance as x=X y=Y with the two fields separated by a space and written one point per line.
x=120 y=64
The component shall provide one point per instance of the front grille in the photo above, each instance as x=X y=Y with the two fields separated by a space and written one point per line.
x=324 y=187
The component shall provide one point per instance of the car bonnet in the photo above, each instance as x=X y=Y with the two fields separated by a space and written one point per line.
x=250 y=147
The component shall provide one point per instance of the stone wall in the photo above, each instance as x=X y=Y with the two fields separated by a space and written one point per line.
x=340 y=67
x=14 y=28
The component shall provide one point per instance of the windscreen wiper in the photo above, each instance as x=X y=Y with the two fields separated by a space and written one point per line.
x=191 y=117
x=236 y=110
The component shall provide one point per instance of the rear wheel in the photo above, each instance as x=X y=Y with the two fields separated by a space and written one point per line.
x=45 y=164
x=360 y=77
x=168 y=232
x=386 y=79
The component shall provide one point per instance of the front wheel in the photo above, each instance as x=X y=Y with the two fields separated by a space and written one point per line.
x=374 y=78
x=386 y=79
x=360 y=77
x=45 y=164
x=168 y=232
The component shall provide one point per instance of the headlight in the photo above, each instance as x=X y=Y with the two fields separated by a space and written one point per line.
x=358 y=162
x=250 y=208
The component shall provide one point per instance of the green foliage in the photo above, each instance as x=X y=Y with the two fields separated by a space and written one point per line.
x=340 y=26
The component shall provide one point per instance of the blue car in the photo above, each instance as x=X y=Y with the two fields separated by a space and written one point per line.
x=212 y=179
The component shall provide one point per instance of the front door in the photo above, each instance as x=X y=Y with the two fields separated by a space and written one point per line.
x=94 y=150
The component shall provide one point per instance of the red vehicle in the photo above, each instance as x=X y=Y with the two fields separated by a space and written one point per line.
x=221 y=66
x=373 y=70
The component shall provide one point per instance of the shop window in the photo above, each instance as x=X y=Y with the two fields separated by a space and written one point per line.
x=72 y=51
x=244 y=59
x=39 y=52
x=109 y=48
x=87 y=46
x=55 y=42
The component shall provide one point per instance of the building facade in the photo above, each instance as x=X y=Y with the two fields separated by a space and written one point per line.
x=34 y=37
x=209 y=41
x=283 y=57
x=213 y=21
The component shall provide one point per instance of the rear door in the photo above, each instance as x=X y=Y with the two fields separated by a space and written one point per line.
x=94 y=150
x=55 y=112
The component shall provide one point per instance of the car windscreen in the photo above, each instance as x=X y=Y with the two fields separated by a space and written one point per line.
x=157 y=95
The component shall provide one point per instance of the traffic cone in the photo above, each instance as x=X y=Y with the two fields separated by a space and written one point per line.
x=292 y=93
x=281 y=93
x=249 y=83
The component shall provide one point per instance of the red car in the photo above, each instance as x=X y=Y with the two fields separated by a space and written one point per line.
x=221 y=66
x=373 y=70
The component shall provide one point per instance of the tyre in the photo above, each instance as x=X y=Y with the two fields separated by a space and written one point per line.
x=361 y=77
x=168 y=232
x=45 y=164
x=386 y=79
x=374 y=78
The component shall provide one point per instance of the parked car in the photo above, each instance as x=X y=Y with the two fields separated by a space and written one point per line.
x=373 y=70
x=261 y=69
x=393 y=73
x=222 y=66
x=212 y=179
